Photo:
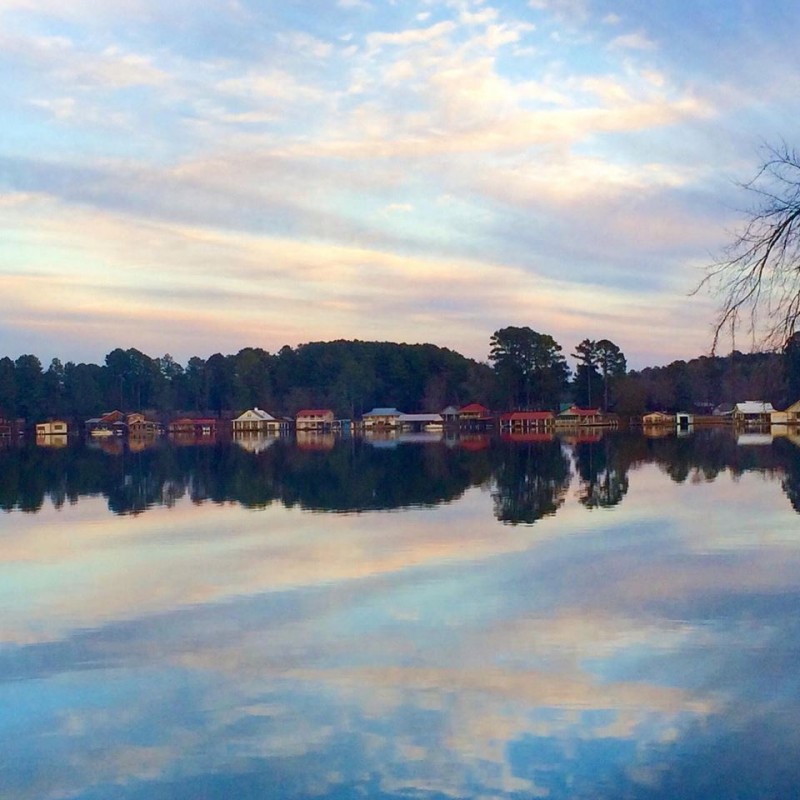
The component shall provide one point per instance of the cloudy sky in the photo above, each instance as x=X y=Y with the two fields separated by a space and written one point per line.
x=193 y=177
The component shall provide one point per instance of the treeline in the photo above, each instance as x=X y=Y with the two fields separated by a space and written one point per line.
x=528 y=370
x=704 y=383
x=350 y=377
x=526 y=480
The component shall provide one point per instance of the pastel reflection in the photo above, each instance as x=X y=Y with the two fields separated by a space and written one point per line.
x=205 y=649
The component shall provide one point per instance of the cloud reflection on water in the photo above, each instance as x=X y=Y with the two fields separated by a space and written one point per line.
x=215 y=651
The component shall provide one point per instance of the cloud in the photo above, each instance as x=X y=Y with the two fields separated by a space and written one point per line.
x=300 y=135
x=389 y=642
x=484 y=16
x=79 y=67
x=411 y=36
x=632 y=41
x=572 y=11
x=399 y=208
x=307 y=45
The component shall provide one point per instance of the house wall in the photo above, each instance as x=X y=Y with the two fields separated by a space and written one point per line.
x=51 y=428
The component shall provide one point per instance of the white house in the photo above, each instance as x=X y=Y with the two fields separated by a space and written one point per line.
x=753 y=412
x=256 y=420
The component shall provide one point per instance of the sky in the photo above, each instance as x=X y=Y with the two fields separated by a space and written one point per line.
x=198 y=177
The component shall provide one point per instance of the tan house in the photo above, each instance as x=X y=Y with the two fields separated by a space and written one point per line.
x=381 y=419
x=140 y=427
x=657 y=419
x=527 y=421
x=56 y=427
x=793 y=414
x=314 y=419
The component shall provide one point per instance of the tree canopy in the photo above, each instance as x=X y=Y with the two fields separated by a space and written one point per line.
x=529 y=366
x=349 y=377
x=527 y=370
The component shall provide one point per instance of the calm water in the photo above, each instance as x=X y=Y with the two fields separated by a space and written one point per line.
x=477 y=619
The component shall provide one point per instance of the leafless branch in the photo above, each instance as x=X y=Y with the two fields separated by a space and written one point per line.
x=758 y=276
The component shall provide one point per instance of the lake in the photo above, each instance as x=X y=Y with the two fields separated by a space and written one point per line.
x=585 y=617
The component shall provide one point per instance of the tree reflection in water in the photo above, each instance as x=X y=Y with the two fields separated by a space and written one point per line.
x=531 y=479
x=602 y=473
x=529 y=476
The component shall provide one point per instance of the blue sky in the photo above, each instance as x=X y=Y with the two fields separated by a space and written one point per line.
x=199 y=177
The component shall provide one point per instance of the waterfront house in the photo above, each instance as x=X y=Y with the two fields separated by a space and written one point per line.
x=381 y=419
x=141 y=427
x=194 y=426
x=449 y=415
x=108 y=424
x=474 y=416
x=314 y=419
x=574 y=417
x=256 y=420
x=753 y=413
x=527 y=421
x=420 y=422
x=657 y=419
x=793 y=414
x=6 y=427
x=56 y=427
x=778 y=418
x=684 y=420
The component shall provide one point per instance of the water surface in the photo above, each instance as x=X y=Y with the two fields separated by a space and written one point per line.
x=610 y=618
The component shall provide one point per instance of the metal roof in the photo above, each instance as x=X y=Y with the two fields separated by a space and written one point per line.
x=420 y=418
x=754 y=407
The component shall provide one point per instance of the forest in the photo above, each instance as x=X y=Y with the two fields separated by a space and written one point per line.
x=525 y=369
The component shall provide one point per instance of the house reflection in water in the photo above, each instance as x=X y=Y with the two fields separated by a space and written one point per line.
x=254 y=443
x=313 y=440
x=52 y=440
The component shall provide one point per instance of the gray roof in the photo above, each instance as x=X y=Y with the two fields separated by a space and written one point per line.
x=754 y=407
x=383 y=412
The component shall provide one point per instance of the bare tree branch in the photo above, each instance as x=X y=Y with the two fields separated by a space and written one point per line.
x=758 y=277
